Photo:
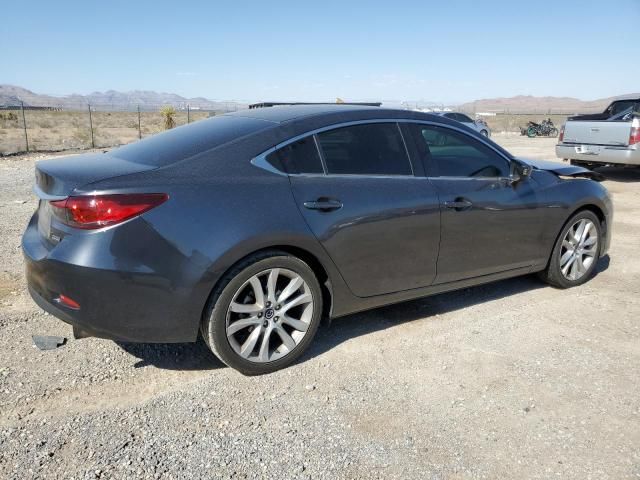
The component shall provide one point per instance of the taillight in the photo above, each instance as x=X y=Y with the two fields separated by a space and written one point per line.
x=97 y=211
x=561 y=137
x=634 y=136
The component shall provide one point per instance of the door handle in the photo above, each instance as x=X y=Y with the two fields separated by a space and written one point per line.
x=323 y=204
x=459 y=204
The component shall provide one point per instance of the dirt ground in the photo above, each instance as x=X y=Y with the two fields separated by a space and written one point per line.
x=511 y=380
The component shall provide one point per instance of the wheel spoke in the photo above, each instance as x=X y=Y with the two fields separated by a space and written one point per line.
x=579 y=230
x=271 y=285
x=241 y=324
x=257 y=290
x=250 y=343
x=297 y=324
x=590 y=241
x=566 y=257
x=245 y=308
x=567 y=266
x=263 y=355
x=287 y=341
x=299 y=300
x=292 y=287
x=585 y=231
x=580 y=268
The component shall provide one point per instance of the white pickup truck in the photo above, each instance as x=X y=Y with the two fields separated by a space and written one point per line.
x=608 y=138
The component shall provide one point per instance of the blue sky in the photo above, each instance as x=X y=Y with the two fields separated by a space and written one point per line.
x=445 y=51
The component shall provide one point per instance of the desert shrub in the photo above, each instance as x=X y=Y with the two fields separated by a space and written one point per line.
x=169 y=116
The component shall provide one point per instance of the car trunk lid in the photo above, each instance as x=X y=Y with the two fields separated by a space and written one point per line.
x=59 y=177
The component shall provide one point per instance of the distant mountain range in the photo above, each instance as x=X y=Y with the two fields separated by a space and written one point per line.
x=530 y=104
x=111 y=99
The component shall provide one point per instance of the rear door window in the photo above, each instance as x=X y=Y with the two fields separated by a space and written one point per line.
x=368 y=149
x=298 y=157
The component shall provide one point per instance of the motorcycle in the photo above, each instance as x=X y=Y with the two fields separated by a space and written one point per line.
x=544 y=129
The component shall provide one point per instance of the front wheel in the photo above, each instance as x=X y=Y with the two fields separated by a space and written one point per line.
x=264 y=314
x=576 y=252
x=485 y=133
x=553 y=132
x=531 y=132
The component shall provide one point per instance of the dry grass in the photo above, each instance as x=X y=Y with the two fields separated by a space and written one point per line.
x=49 y=130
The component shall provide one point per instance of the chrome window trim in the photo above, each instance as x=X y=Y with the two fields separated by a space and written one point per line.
x=261 y=159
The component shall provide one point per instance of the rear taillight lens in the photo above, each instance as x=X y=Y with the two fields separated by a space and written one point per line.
x=97 y=211
x=634 y=136
x=561 y=136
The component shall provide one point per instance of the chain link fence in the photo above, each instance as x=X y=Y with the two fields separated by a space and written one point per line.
x=30 y=129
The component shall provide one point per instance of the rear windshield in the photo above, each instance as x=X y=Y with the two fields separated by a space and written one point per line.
x=621 y=106
x=184 y=142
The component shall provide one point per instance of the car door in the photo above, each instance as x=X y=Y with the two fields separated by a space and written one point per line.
x=379 y=223
x=489 y=224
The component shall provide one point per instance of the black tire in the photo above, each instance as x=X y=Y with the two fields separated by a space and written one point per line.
x=531 y=132
x=213 y=327
x=553 y=132
x=484 y=132
x=553 y=274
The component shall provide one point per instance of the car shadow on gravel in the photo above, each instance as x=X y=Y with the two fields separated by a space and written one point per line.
x=364 y=323
x=620 y=174
x=173 y=356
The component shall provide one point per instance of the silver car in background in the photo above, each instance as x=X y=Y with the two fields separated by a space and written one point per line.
x=477 y=125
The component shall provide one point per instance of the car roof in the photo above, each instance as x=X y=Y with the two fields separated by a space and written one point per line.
x=310 y=116
x=287 y=113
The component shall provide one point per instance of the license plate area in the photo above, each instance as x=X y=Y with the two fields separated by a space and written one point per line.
x=588 y=149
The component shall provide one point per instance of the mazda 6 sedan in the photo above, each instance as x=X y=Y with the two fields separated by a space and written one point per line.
x=248 y=228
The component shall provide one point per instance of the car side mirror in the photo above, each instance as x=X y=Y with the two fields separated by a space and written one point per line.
x=519 y=172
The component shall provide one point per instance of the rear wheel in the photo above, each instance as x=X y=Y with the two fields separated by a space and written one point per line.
x=264 y=314
x=531 y=132
x=485 y=133
x=553 y=132
x=576 y=252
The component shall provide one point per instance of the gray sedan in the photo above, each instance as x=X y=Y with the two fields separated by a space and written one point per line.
x=477 y=125
x=247 y=228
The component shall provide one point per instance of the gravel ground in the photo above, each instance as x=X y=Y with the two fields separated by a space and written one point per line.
x=508 y=380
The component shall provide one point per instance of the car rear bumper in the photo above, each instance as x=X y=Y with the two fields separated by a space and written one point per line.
x=129 y=304
x=600 y=154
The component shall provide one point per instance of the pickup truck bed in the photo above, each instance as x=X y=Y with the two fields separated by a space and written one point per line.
x=611 y=137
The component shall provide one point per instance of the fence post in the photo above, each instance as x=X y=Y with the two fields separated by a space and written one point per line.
x=24 y=124
x=139 y=128
x=93 y=145
x=188 y=114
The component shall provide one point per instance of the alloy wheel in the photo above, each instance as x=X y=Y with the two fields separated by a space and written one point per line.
x=578 y=250
x=269 y=315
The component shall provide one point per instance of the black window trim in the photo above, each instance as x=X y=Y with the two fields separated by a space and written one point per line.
x=261 y=159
